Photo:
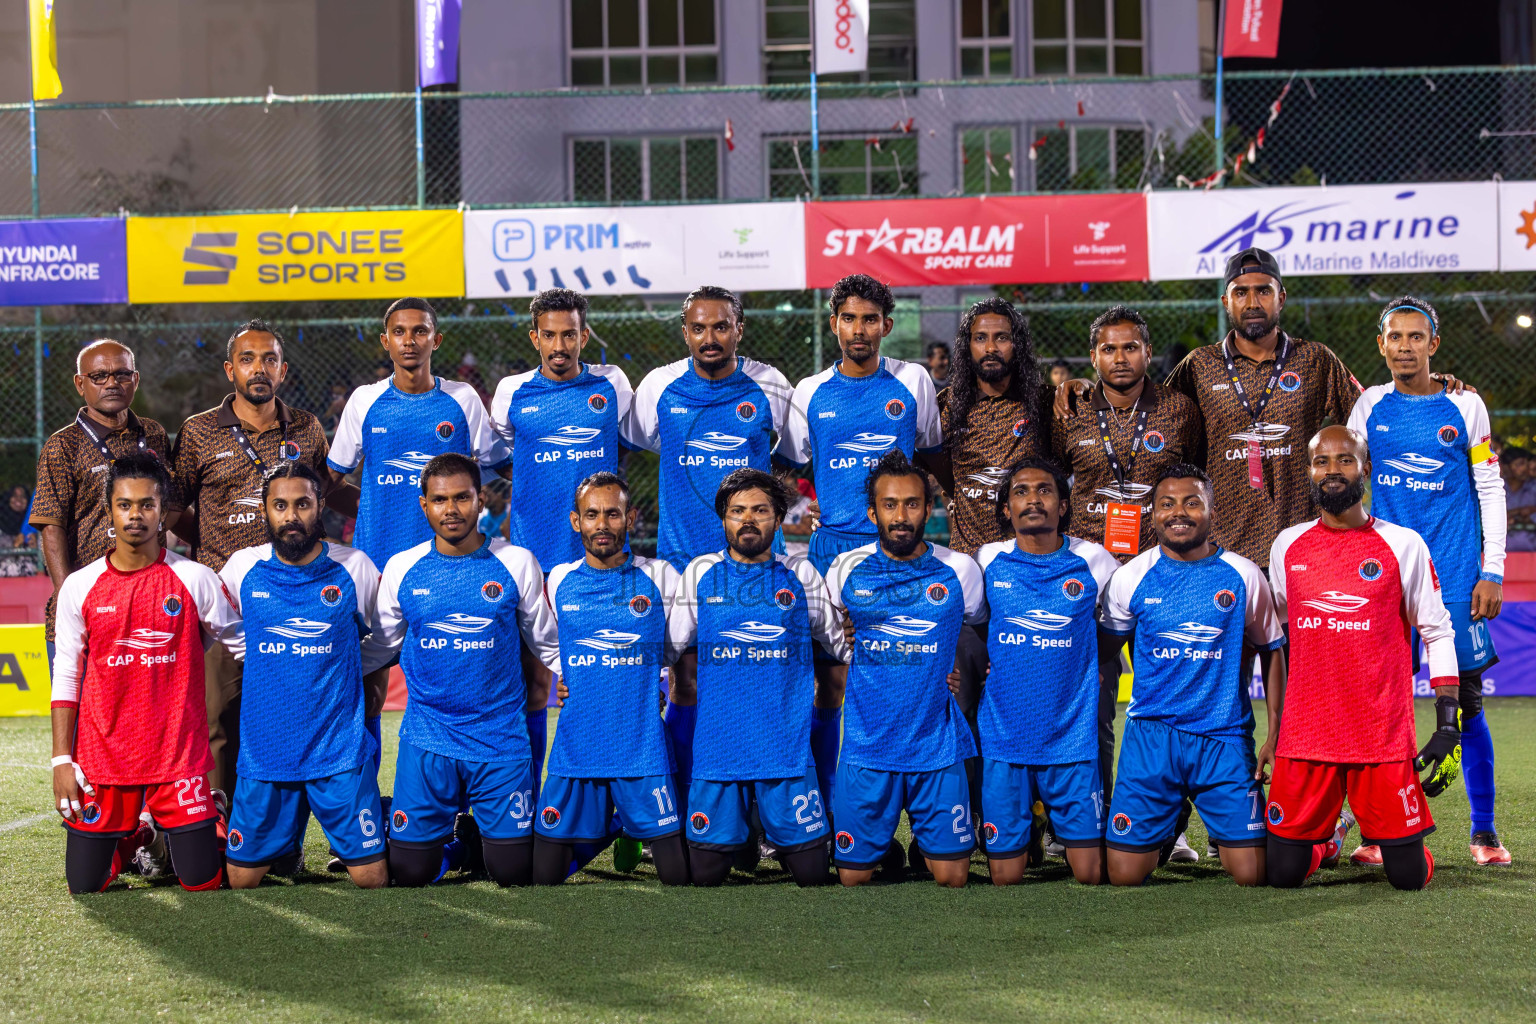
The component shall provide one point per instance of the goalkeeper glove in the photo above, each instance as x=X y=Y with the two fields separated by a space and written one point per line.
x=1442 y=754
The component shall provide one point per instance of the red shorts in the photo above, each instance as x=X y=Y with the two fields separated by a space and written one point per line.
x=114 y=810
x=1306 y=796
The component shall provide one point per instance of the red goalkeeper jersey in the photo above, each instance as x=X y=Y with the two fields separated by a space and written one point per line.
x=1350 y=598
x=130 y=657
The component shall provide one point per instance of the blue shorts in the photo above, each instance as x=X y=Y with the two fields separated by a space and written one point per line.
x=827 y=544
x=1160 y=766
x=268 y=818
x=867 y=804
x=1073 y=795
x=1474 y=647
x=791 y=811
x=580 y=810
x=429 y=788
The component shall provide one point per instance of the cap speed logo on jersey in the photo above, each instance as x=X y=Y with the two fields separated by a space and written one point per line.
x=1448 y=435
x=289 y=450
x=1370 y=570
x=597 y=403
x=699 y=822
x=398 y=821
x=1072 y=589
x=551 y=816
x=895 y=408
x=746 y=412
x=1020 y=427
x=444 y=430
x=639 y=605
x=492 y=591
x=1121 y=824
x=1153 y=441
x=844 y=842
x=1290 y=380
x=1225 y=599
x=937 y=593
x=1275 y=813
x=171 y=605
x=784 y=598
x=330 y=595
x=235 y=841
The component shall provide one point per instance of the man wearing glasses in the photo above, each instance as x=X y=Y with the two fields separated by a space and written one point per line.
x=69 y=509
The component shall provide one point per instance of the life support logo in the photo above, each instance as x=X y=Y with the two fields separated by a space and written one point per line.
x=1153 y=441
x=330 y=595
x=1021 y=426
x=784 y=598
x=989 y=833
x=235 y=841
x=597 y=403
x=289 y=450
x=551 y=816
x=444 y=430
x=699 y=822
x=1073 y=589
x=1448 y=435
x=91 y=813
x=639 y=605
x=1275 y=813
x=492 y=591
x=1370 y=570
x=895 y=409
x=1290 y=380
x=746 y=412
x=1121 y=824
x=171 y=605
x=398 y=821
x=937 y=593
x=844 y=842
x=1224 y=599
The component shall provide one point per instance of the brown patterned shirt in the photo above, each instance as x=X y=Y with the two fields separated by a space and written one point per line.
x=999 y=431
x=1173 y=435
x=216 y=477
x=1315 y=388
x=70 y=474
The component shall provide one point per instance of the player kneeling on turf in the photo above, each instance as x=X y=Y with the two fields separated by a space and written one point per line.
x=129 y=727
x=1039 y=712
x=1196 y=612
x=905 y=740
x=1353 y=586
x=610 y=752
x=458 y=603
x=307 y=605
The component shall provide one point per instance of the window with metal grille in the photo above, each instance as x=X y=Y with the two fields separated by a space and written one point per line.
x=643 y=42
x=616 y=170
x=986 y=160
x=862 y=165
x=1087 y=37
x=986 y=39
x=1089 y=157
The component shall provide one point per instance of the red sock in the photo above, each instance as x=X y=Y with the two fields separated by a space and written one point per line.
x=1429 y=862
x=213 y=883
x=1317 y=858
x=117 y=867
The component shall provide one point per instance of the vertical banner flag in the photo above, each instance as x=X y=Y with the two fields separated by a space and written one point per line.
x=437 y=41
x=842 y=36
x=45 y=51
x=1252 y=28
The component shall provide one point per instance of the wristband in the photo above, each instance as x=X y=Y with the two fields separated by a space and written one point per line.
x=1446 y=712
x=63 y=759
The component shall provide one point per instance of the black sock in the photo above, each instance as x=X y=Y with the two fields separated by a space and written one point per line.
x=1405 y=866
x=551 y=861
x=1286 y=864
x=197 y=855
x=412 y=866
x=88 y=865
x=508 y=863
x=809 y=866
x=710 y=867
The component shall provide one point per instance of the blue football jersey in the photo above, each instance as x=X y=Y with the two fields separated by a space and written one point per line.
x=560 y=432
x=393 y=436
x=1190 y=620
x=456 y=621
x=899 y=715
x=754 y=624
x=842 y=425
x=1041 y=702
x=1433 y=471
x=704 y=429
x=306 y=645
x=613 y=646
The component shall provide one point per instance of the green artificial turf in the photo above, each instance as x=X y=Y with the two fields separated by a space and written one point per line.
x=1190 y=946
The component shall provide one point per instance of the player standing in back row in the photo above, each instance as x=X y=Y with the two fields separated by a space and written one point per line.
x=129 y=728
x=1351 y=587
x=1436 y=474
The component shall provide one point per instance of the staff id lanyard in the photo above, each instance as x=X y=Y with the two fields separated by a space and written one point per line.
x=1122 y=519
x=100 y=442
x=250 y=449
x=1255 y=447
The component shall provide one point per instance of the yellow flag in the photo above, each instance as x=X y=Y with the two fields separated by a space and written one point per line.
x=45 y=51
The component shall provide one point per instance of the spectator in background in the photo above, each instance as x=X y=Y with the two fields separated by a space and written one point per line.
x=469 y=373
x=796 y=526
x=496 y=508
x=1061 y=372
x=1519 y=497
x=13 y=517
x=937 y=357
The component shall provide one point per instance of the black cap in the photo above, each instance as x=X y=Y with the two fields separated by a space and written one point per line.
x=1250 y=261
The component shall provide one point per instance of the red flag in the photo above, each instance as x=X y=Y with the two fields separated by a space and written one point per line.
x=1252 y=28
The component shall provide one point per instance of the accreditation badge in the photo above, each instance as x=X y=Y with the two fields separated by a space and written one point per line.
x=1122 y=528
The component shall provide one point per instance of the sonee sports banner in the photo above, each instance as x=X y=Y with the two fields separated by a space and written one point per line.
x=282 y=258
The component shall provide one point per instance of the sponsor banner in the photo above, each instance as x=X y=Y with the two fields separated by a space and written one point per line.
x=25 y=678
x=1344 y=229
x=842 y=35
x=980 y=240
x=1252 y=28
x=59 y=262
x=1517 y=225
x=277 y=257
x=437 y=41
x=634 y=250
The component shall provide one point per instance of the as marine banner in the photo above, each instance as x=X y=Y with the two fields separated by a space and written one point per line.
x=277 y=257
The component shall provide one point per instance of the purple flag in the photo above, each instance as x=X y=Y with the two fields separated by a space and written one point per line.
x=437 y=41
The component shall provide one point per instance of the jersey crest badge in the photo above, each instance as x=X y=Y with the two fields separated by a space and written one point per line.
x=989 y=833
x=1021 y=426
x=1224 y=599
x=171 y=605
x=844 y=842
x=1290 y=380
x=597 y=403
x=1370 y=570
x=91 y=813
x=1121 y=824
x=1447 y=435
x=746 y=412
x=1072 y=589
x=785 y=598
x=699 y=822
x=1153 y=441
x=444 y=430
x=1275 y=813
x=330 y=595
x=639 y=605
x=937 y=593
x=492 y=591
x=398 y=821
x=895 y=408
x=235 y=841
x=551 y=816
x=289 y=450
